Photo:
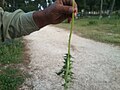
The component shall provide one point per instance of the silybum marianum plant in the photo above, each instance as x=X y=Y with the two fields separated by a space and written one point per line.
x=66 y=71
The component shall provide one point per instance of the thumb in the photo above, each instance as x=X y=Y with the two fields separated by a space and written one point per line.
x=66 y=9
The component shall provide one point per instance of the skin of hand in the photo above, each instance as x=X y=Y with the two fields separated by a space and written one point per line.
x=54 y=14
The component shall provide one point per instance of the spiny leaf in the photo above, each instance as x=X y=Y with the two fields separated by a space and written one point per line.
x=61 y=71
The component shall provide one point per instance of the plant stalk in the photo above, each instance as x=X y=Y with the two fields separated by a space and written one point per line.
x=69 y=44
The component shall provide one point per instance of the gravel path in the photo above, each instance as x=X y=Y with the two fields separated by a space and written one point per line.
x=96 y=65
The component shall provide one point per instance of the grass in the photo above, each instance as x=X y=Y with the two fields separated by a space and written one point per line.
x=104 y=30
x=11 y=52
x=11 y=55
x=10 y=78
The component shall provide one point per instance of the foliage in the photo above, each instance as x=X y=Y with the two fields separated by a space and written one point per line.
x=95 y=4
x=26 y=5
x=11 y=54
x=66 y=71
x=104 y=30
x=92 y=22
x=88 y=5
x=10 y=78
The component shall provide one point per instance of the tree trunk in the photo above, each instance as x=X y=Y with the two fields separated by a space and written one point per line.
x=113 y=3
x=2 y=3
x=84 y=7
x=101 y=9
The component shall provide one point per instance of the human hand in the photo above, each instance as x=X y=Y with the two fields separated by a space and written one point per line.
x=59 y=11
x=56 y=13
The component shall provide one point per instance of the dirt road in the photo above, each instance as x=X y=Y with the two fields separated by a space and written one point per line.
x=96 y=65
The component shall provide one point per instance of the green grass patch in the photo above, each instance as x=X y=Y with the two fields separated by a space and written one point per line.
x=105 y=30
x=11 y=52
x=11 y=55
x=11 y=78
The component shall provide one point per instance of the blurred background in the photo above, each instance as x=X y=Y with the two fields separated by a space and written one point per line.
x=86 y=7
x=96 y=19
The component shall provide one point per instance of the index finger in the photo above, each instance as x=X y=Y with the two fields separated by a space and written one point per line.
x=68 y=3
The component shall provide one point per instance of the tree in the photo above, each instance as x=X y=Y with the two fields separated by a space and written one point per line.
x=2 y=3
x=113 y=3
x=117 y=5
x=101 y=9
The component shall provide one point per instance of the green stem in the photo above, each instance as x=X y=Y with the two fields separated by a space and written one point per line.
x=69 y=43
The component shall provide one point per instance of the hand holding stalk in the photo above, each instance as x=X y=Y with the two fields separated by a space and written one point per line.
x=66 y=72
